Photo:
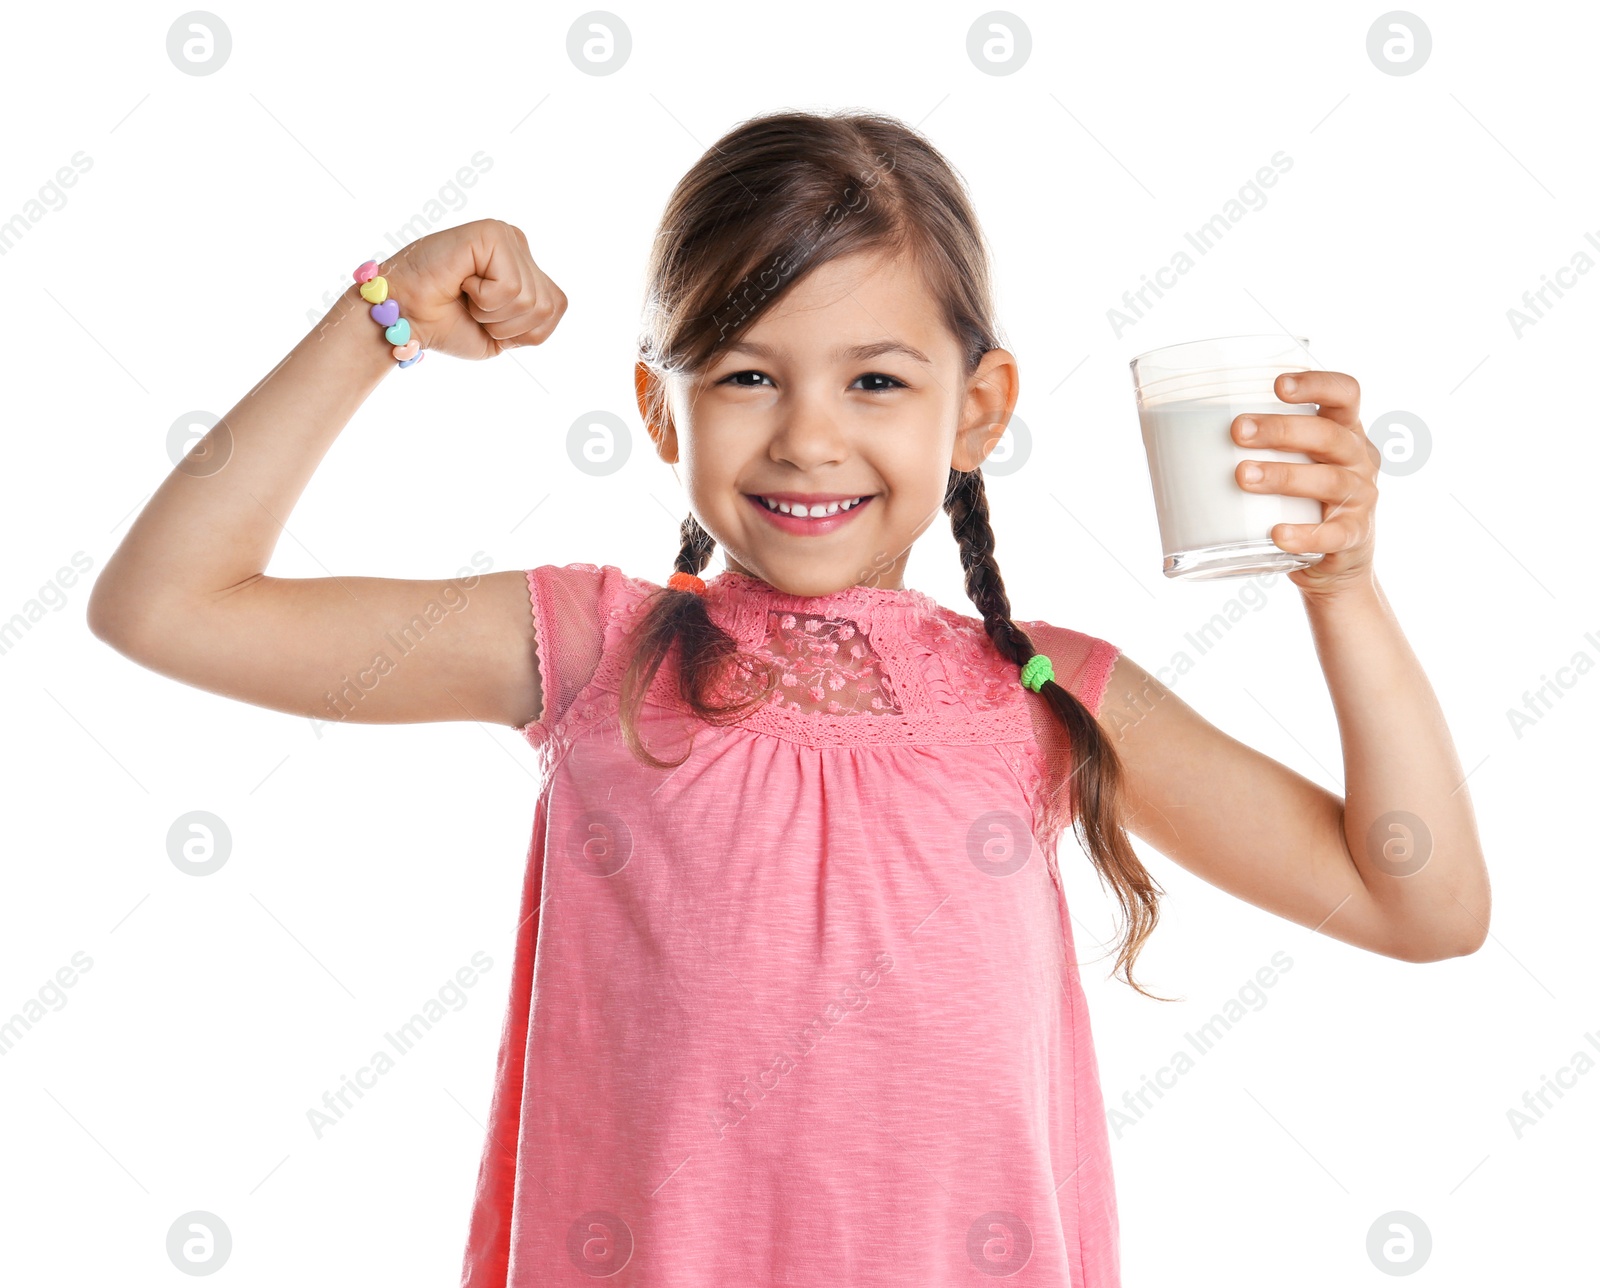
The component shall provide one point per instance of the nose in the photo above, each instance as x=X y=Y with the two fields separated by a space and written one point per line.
x=808 y=435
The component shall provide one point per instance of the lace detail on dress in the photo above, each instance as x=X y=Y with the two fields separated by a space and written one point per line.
x=923 y=673
x=928 y=674
x=825 y=665
x=974 y=673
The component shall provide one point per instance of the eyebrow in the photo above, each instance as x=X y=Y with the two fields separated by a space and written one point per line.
x=855 y=353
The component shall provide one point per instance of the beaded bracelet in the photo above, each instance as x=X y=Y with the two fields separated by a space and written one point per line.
x=386 y=313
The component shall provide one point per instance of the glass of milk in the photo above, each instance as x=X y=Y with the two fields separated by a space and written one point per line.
x=1189 y=395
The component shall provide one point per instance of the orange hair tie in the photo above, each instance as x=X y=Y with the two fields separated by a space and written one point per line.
x=686 y=581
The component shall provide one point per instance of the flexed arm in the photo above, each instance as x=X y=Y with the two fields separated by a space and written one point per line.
x=186 y=592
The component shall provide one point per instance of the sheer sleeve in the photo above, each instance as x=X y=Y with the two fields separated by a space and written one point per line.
x=1082 y=663
x=570 y=604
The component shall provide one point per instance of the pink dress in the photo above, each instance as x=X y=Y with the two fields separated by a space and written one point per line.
x=804 y=1010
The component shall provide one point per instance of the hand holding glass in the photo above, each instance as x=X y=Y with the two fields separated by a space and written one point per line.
x=1189 y=396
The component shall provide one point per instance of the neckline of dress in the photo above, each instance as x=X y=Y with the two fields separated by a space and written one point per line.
x=880 y=598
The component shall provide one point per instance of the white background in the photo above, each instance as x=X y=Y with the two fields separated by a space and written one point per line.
x=372 y=862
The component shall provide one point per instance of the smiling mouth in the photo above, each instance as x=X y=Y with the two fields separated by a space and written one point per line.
x=799 y=520
x=817 y=510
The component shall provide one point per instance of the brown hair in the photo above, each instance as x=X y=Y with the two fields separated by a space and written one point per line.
x=778 y=194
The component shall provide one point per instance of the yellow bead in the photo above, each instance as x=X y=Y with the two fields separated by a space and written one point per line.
x=375 y=291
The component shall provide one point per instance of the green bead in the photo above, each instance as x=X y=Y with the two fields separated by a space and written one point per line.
x=399 y=333
x=1036 y=670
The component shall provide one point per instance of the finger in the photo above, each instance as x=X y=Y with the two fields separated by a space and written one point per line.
x=1338 y=396
x=533 y=324
x=1329 y=483
x=497 y=281
x=489 y=299
x=1328 y=537
x=509 y=328
x=1317 y=436
x=525 y=336
x=527 y=327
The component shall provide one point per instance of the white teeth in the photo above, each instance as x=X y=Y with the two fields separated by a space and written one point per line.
x=815 y=512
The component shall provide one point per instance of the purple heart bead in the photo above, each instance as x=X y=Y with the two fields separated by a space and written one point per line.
x=387 y=313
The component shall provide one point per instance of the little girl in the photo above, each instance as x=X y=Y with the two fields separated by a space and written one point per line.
x=795 y=996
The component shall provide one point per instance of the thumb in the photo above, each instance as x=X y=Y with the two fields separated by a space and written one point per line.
x=489 y=296
x=492 y=287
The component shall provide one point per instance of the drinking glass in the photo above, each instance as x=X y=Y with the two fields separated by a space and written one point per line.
x=1188 y=396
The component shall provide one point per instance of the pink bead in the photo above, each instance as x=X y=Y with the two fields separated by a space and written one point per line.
x=367 y=271
x=406 y=350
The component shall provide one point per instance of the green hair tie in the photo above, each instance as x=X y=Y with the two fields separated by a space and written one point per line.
x=1036 y=670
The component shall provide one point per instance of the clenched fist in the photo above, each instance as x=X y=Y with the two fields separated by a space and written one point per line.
x=474 y=291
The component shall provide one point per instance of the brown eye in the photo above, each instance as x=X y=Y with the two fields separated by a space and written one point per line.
x=878 y=375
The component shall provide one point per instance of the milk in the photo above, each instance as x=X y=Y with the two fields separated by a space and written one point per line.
x=1210 y=526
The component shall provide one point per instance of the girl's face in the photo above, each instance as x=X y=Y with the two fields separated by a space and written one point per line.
x=849 y=386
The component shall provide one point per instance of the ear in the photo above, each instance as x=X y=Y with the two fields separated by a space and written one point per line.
x=986 y=409
x=646 y=385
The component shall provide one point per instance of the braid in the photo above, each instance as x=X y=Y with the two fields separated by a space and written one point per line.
x=968 y=506
x=1097 y=818
x=676 y=615
x=695 y=552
